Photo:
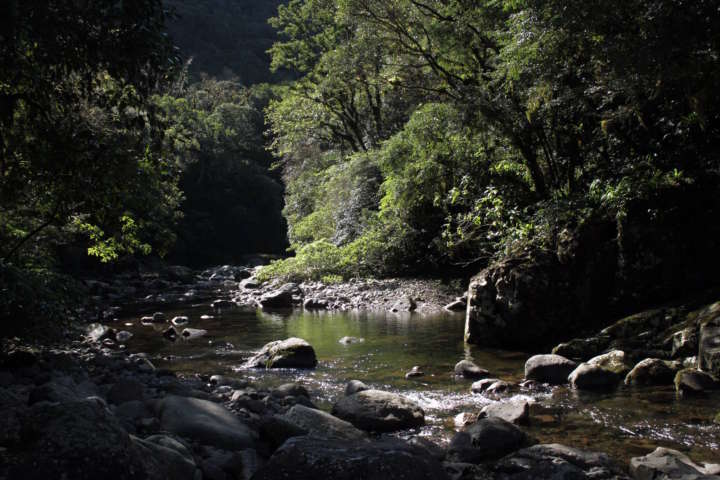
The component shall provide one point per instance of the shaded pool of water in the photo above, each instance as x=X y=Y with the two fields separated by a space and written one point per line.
x=626 y=423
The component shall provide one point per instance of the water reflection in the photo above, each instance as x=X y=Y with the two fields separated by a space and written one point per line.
x=624 y=423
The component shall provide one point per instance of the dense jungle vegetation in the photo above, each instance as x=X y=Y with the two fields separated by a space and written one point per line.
x=407 y=137
x=424 y=135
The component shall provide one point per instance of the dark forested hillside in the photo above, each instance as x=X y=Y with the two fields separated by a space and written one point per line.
x=225 y=38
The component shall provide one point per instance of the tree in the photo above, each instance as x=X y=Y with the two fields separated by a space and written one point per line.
x=80 y=140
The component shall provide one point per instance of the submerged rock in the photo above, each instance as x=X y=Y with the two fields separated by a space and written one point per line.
x=378 y=411
x=552 y=369
x=289 y=353
x=487 y=439
x=312 y=458
x=665 y=463
x=315 y=304
x=123 y=336
x=468 y=369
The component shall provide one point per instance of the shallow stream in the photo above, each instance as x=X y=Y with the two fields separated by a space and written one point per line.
x=625 y=423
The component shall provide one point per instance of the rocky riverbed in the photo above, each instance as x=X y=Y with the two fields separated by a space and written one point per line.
x=96 y=407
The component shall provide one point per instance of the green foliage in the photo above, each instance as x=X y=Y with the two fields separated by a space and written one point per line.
x=80 y=140
x=480 y=129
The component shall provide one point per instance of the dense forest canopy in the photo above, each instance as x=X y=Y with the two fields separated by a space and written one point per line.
x=427 y=134
x=407 y=136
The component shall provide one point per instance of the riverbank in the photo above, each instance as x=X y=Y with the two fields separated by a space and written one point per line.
x=114 y=392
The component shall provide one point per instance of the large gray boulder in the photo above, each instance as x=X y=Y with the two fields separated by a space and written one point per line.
x=668 y=464
x=289 y=353
x=602 y=372
x=487 y=439
x=552 y=369
x=204 y=422
x=314 y=458
x=517 y=411
x=557 y=462
x=378 y=411
x=322 y=423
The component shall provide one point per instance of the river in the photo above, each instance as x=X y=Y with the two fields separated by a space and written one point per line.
x=624 y=424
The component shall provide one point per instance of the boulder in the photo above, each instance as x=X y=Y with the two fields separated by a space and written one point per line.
x=652 y=371
x=482 y=385
x=280 y=298
x=602 y=372
x=289 y=353
x=557 y=462
x=378 y=411
x=162 y=462
x=593 y=377
x=405 y=304
x=290 y=389
x=323 y=424
x=709 y=343
x=691 y=382
x=468 y=369
x=204 y=422
x=487 y=439
x=54 y=391
x=552 y=369
x=125 y=390
x=80 y=440
x=582 y=348
x=180 y=321
x=355 y=386
x=665 y=463
x=517 y=412
x=313 y=458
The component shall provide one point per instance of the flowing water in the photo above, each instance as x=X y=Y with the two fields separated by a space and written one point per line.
x=625 y=423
